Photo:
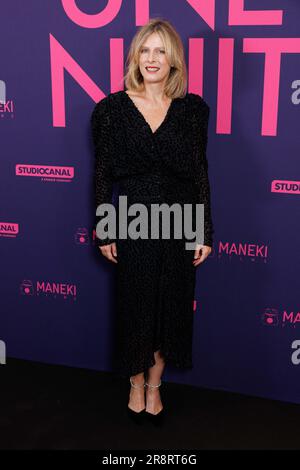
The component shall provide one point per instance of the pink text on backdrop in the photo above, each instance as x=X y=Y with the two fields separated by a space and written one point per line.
x=206 y=9
x=61 y=60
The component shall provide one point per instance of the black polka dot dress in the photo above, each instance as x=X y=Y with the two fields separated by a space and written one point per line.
x=155 y=277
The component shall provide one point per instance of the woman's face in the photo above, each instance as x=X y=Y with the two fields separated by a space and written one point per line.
x=153 y=54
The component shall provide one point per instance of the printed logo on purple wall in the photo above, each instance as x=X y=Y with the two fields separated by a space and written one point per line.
x=285 y=186
x=82 y=236
x=47 y=288
x=242 y=251
x=9 y=229
x=274 y=317
x=62 y=174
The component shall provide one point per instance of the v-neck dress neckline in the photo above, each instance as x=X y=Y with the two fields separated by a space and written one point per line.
x=142 y=117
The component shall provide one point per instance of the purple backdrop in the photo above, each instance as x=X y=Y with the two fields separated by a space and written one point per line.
x=60 y=57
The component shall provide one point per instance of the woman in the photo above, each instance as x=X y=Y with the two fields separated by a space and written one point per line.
x=151 y=139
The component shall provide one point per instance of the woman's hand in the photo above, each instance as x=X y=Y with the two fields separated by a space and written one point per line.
x=109 y=251
x=199 y=258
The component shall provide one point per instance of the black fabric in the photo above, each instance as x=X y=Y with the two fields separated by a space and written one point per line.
x=155 y=277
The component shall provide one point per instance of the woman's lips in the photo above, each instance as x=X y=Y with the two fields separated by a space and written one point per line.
x=152 y=69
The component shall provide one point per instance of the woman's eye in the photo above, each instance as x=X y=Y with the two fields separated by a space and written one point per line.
x=145 y=50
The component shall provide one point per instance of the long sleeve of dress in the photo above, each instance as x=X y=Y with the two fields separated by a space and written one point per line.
x=103 y=181
x=200 y=119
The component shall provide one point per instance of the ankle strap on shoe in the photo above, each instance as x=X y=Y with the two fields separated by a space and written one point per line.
x=153 y=386
x=136 y=386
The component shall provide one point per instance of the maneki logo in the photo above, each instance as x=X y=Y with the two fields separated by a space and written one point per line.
x=46 y=172
x=286 y=187
x=253 y=252
x=82 y=236
x=48 y=289
x=9 y=229
x=273 y=317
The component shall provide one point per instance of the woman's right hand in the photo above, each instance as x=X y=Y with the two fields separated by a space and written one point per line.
x=109 y=251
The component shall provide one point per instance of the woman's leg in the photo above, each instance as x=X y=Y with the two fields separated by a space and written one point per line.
x=137 y=395
x=154 y=404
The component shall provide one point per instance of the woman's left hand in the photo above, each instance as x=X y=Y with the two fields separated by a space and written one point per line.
x=201 y=253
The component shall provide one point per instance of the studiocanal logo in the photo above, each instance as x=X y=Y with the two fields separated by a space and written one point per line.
x=48 y=289
x=274 y=317
x=9 y=229
x=61 y=174
x=285 y=187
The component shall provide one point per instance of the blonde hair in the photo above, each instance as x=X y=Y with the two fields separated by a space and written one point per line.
x=176 y=85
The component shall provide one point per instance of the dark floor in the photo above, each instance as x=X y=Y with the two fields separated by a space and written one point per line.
x=55 y=407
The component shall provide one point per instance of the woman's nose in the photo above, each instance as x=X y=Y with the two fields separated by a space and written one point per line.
x=152 y=56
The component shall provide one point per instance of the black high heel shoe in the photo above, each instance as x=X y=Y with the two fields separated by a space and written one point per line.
x=136 y=416
x=157 y=419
